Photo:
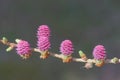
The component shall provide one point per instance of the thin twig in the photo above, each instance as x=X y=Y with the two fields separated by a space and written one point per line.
x=61 y=56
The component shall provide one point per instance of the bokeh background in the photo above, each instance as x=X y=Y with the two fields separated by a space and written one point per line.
x=85 y=22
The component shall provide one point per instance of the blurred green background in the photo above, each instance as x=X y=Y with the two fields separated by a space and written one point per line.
x=85 y=22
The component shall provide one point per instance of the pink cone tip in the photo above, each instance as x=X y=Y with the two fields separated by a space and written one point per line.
x=43 y=30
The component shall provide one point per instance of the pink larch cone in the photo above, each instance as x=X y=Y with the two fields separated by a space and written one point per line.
x=43 y=31
x=99 y=52
x=66 y=47
x=23 y=48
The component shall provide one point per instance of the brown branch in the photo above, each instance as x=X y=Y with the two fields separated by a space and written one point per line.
x=8 y=43
x=60 y=56
x=88 y=62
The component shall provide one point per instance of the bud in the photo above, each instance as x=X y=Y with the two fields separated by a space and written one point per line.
x=4 y=40
x=82 y=55
x=115 y=60
x=9 y=48
x=17 y=40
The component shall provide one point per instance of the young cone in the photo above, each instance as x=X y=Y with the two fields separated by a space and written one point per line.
x=66 y=48
x=23 y=48
x=99 y=52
